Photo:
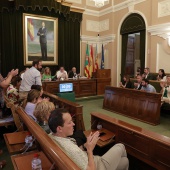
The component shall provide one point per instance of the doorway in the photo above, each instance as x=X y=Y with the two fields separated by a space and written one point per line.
x=133 y=54
x=133 y=44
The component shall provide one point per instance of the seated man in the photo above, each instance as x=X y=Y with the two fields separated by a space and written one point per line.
x=61 y=74
x=138 y=84
x=62 y=126
x=73 y=73
x=147 y=87
x=165 y=94
x=147 y=74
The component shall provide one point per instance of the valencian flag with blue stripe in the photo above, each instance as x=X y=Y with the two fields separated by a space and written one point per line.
x=30 y=29
x=86 y=67
x=102 y=60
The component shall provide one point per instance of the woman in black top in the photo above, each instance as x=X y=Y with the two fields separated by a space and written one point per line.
x=126 y=83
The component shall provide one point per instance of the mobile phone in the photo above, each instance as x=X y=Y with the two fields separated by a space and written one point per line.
x=102 y=134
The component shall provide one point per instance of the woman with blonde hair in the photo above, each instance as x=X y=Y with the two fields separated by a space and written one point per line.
x=42 y=112
x=31 y=102
x=47 y=74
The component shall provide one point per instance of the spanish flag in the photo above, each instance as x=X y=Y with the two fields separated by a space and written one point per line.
x=30 y=27
x=86 y=67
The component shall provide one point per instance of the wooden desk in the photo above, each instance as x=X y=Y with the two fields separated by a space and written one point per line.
x=7 y=121
x=23 y=161
x=147 y=146
x=81 y=87
x=16 y=141
x=136 y=104
x=101 y=143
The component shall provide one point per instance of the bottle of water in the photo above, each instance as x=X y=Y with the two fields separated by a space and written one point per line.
x=36 y=163
x=28 y=139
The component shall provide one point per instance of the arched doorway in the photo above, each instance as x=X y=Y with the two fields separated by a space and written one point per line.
x=133 y=31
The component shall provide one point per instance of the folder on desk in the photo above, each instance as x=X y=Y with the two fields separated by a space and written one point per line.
x=108 y=135
x=16 y=137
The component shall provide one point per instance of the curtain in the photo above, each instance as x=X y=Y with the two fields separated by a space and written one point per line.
x=124 y=51
x=11 y=41
x=142 y=49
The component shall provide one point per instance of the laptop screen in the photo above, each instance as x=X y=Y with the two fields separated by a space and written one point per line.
x=65 y=87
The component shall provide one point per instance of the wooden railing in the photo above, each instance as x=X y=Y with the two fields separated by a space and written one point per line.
x=75 y=109
x=147 y=146
x=49 y=147
x=136 y=104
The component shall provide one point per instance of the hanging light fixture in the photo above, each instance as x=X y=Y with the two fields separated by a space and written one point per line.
x=99 y=3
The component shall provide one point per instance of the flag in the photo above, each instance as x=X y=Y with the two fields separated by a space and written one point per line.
x=91 y=61
x=102 y=60
x=86 y=67
x=30 y=29
x=96 y=60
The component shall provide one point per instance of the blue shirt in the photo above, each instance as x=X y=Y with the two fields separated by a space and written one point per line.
x=149 y=88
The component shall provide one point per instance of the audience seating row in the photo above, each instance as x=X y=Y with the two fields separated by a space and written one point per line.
x=136 y=104
x=154 y=83
x=147 y=146
x=47 y=145
x=75 y=109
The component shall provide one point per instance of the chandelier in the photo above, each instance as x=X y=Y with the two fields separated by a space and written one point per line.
x=99 y=3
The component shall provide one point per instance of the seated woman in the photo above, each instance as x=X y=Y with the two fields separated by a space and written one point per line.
x=32 y=100
x=42 y=113
x=126 y=83
x=40 y=89
x=47 y=74
x=13 y=89
x=165 y=100
x=161 y=75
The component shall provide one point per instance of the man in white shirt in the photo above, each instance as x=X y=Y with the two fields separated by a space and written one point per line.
x=31 y=77
x=61 y=74
x=62 y=126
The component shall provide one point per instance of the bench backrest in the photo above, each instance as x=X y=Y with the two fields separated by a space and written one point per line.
x=49 y=147
x=16 y=118
x=136 y=104
x=75 y=109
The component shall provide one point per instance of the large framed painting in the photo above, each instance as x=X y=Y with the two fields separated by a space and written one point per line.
x=40 y=39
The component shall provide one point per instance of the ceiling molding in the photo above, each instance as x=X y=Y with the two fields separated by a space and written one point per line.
x=98 y=39
x=161 y=30
x=127 y=4
x=80 y=10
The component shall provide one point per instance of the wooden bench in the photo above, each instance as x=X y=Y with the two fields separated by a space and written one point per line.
x=136 y=104
x=75 y=109
x=47 y=145
x=16 y=118
x=147 y=146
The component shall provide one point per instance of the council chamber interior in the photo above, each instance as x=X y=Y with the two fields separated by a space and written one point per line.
x=111 y=43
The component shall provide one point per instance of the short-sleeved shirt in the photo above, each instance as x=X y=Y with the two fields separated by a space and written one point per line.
x=149 y=88
x=29 y=109
x=31 y=77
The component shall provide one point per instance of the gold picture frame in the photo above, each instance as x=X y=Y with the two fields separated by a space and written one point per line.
x=40 y=39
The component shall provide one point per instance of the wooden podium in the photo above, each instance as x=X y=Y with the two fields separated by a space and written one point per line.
x=103 y=77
